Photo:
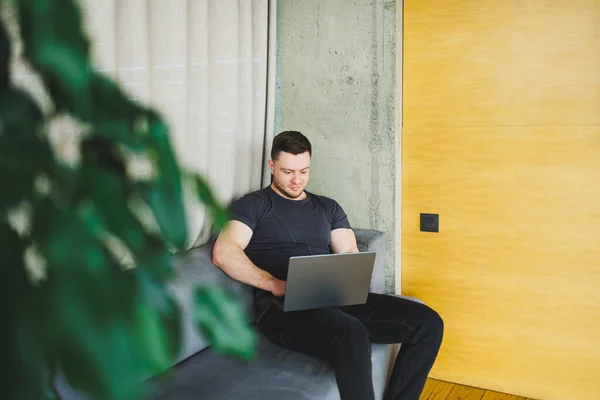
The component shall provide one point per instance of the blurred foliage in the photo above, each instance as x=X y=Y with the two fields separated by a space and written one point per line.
x=67 y=301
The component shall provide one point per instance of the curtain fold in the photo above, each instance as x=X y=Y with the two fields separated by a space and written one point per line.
x=269 y=126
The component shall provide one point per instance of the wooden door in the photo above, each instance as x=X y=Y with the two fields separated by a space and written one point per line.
x=501 y=138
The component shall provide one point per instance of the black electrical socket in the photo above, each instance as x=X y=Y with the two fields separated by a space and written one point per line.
x=430 y=222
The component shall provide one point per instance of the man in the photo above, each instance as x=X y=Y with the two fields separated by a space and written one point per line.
x=283 y=220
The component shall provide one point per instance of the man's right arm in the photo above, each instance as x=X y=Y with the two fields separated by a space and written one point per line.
x=228 y=254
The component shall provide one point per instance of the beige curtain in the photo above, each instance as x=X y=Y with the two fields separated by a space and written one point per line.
x=204 y=64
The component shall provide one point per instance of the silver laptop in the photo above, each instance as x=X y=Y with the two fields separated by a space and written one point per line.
x=329 y=280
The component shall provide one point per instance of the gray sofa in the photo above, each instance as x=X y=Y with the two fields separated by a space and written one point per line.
x=275 y=373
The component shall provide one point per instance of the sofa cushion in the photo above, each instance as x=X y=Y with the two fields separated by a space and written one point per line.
x=275 y=372
x=195 y=268
x=374 y=240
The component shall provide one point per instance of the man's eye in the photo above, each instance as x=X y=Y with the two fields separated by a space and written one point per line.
x=287 y=172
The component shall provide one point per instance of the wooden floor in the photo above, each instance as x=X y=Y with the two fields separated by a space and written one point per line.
x=439 y=390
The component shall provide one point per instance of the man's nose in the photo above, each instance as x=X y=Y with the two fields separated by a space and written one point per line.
x=296 y=179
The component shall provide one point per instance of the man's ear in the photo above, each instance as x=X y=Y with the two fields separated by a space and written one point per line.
x=271 y=166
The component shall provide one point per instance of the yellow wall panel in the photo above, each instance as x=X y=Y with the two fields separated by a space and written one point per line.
x=515 y=269
x=501 y=137
x=510 y=62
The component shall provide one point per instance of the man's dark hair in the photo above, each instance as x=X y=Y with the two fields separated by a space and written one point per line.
x=292 y=142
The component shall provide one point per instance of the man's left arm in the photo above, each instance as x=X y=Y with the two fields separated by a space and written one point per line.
x=343 y=241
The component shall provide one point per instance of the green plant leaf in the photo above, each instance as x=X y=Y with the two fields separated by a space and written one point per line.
x=59 y=50
x=90 y=305
x=153 y=338
x=18 y=111
x=108 y=191
x=110 y=102
x=25 y=359
x=66 y=241
x=30 y=355
x=62 y=22
x=118 y=131
x=171 y=319
x=22 y=159
x=218 y=212
x=67 y=25
x=159 y=324
x=155 y=259
x=99 y=152
x=164 y=193
x=22 y=180
x=64 y=64
x=223 y=321
x=168 y=210
x=169 y=172
x=97 y=354
x=5 y=54
x=67 y=76
x=23 y=153
x=114 y=115
x=103 y=180
x=65 y=190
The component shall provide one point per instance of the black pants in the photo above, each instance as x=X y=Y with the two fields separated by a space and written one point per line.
x=342 y=336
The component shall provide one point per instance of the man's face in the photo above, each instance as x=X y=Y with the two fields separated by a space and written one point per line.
x=290 y=173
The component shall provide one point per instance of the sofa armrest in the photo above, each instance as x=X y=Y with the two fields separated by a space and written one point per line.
x=373 y=240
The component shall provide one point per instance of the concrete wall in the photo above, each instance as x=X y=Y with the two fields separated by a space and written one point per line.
x=336 y=84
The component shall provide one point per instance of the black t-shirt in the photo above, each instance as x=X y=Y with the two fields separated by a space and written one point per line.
x=283 y=228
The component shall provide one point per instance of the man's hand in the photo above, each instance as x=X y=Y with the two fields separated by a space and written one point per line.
x=277 y=287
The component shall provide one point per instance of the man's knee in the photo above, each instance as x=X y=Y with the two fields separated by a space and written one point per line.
x=352 y=333
x=357 y=331
x=433 y=325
